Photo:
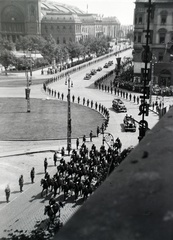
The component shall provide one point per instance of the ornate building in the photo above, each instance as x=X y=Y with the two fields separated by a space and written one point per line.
x=43 y=17
x=161 y=39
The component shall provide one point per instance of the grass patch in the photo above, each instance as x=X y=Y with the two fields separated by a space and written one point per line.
x=46 y=121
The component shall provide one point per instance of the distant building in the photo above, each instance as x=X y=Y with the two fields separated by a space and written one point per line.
x=43 y=17
x=161 y=39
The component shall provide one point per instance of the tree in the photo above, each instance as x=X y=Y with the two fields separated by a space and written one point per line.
x=6 y=44
x=7 y=58
x=48 y=51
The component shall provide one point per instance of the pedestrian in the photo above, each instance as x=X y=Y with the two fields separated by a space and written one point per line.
x=77 y=143
x=84 y=138
x=21 y=183
x=62 y=96
x=98 y=130
x=88 y=102
x=62 y=151
x=73 y=98
x=45 y=165
x=7 y=193
x=32 y=174
x=58 y=95
x=78 y=99
x=91 y=136
x=137 y=100
x=83 y=101
x=55 y=158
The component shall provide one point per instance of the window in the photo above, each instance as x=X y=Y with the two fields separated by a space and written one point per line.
x=64 y=40
x=135 y=38
x=64 y=27
x=160 y=58
x=57 y=27
x=139 y=38
x=162 y=38
x=163 y=17
x=162 y=35
x=140 y=20
x=57 y=41
x=70 y=39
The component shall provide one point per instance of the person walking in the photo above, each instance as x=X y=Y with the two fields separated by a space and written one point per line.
x=32 y=174
x=7 y=193
x=77 y=143
x=83 y=101
x=84 y=138
x=78 y=100
x=21 y=181
x=91 y=136
x=55 y=158
x=45 y=165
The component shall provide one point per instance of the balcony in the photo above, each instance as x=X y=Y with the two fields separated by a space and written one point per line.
x=135 y=202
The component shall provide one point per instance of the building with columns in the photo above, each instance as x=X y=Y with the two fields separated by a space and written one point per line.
x=160 y=41
x=43 y=17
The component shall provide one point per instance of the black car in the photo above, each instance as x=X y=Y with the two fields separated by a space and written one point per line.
x=118 y=105
x=129 y=124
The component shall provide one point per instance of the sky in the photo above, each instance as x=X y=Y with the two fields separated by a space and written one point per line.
x=122 y=9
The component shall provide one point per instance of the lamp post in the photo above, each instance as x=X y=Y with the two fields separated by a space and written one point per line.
x=69 y=83
x=154 y=60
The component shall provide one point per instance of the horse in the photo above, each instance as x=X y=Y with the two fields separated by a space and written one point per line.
x=45 y=185
x=51 y=211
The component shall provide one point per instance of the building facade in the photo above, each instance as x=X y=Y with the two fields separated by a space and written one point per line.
x=43 y=17
x=160 y=40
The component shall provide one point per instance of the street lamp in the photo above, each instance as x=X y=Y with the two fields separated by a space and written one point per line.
x=69 y=83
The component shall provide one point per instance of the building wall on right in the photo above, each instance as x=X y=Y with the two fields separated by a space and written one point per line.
x=160 y=41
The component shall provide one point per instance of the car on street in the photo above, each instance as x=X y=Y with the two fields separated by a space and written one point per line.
x=87 y=76
x=118 y=105
x=99 y=69
x=106 y=65
x=129 y=124
x=93 y=72
x=110 y=63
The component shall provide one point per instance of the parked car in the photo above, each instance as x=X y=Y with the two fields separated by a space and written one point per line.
x=99 y=69
x=118 y=105
x=129 y=123
x=87 y=76
x=93 y=72
x=106 y=65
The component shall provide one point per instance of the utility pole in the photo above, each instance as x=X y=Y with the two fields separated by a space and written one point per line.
x=146 y=58
x=69 y=129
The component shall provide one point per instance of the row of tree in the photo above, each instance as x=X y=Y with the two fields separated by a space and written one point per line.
x=50 y=50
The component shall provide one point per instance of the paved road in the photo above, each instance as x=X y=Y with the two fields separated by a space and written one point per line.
x=25 y=209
